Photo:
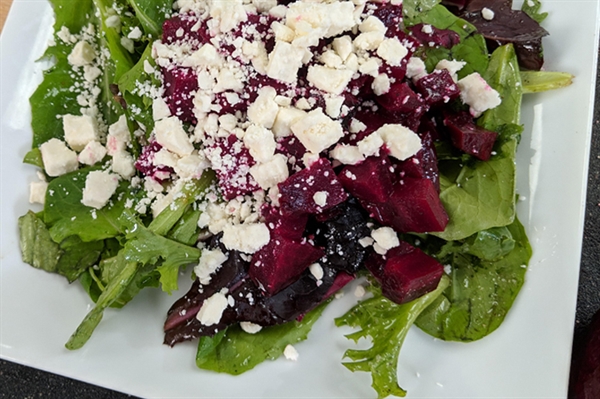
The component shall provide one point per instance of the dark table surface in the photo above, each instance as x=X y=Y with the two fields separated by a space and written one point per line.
x=22 y=382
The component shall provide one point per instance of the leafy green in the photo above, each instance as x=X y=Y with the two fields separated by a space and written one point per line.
x=532 y=8
x=387 y=324
x=491 y=244
x=412 y=8
x=78 y=256
x=234 y=351
x=538 y=81
x=151 y=14
x=34 y=157
x=186 y=229
x=37 y=248
x=481 y=291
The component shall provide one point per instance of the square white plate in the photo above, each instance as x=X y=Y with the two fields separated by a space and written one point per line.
x=527 y=357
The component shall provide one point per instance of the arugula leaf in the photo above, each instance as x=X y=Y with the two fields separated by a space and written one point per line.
x=387 y=324
x=234 y=351
x=532 y=8
x=538 y=81
x=481 y=291
x=413 y=8
x=78 y=256
x=151 y=14
x=37 y=247
x=186 y=229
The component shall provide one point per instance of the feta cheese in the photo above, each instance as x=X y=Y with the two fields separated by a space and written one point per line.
x=320 y=198
x=57 y=158
x=370 y=145
x=269 y=174
x=260 y=142
x=191 y=166
x=347 y=154
x=330 y=80
x=392 y=51
x=415 y=68
x=386 y=238
x=317 y=271
x=250 y=327
x=402 y=142
x=210 y=262
x=93 y=152
x=343 y=46
x=212 y=309
x=99 y=187
x=333 y=105
x=369 y=40
x=247 y=238
x=381 y=84
x=290 y=353
x=478 y=94
x=118 y=136
x=135 y=33
x=37 y=192
x=487 y=14
x=79 y=130
x=122 y=163
x=372 y=24
x=359 y=291
x=82 y=54
x=316 y=131
x=264 y=109
x=370 y=67
x=228 y=80
x=286 y=117
x=284 y=62
x=205 y=56
x=170 y=134
x=451 y=66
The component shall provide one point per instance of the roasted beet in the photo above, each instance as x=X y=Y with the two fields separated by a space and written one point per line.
x=290 y=226
x=391 y=16
x=145 y=163
x=370 y=180
x=437 y=87
x=401 y=98
x=416 y=207
x=405 y=273
x=280 y=262
x=291 y=147
x=430 y=36
x=311 y=190
x=185 y=23
x=468 y=137
x=180 y=86
x=423 y=164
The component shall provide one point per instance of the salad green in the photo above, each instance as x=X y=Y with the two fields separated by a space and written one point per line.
x=115 y=252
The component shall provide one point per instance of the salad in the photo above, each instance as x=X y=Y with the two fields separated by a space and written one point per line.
x=282 y=153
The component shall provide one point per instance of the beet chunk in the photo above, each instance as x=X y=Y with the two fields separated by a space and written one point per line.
x=406 y=273
x=280 y=262
x=290 y=227
x=468 y=137
x=416 y=207
x=435 y=37
x=180 y=86
x=401 y=98
x=311 y=190
x=438 y=87
x=186 y=22
x=423 y=164
x=370 y=180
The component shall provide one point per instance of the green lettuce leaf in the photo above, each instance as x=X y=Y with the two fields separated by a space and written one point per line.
x=532 y=8
x=151 y=14
x=387 y=324
x=37 y=247
x=78 y=256
x=538 y=81
x=234 y=351
x=413 y=8
x=481 y=291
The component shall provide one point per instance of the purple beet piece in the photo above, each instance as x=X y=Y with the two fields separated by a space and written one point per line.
x=401 y=98
x=291 y=147
x=145 y=163
x=185 y=22
x=300 y=192
x=438 y=87
x=431 y=36
x=468 y=137
x=423 y=164
x=280 y=262
x=231 y=161
x=370 y=180
x=180 y=87
x=290 y=226
x=341 y=280
x=405 y=273
x=416 y=206
x=391 y=16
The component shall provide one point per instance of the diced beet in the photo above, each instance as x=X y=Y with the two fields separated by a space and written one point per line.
x=433 y=37
x=391 y=16
x=341 y=280
x=438 y=87
x=180 y=87
x=280 y=262
x=406 y=273
x=417 y=208
x=423 y=164
x=145 y=163
x=468 y=137
x=232 y=161
x=185 y=22
x=300 y=192
x=290 y=227
x=401 y=98
x=370 y=180
x=380 y=211
x=290 y=146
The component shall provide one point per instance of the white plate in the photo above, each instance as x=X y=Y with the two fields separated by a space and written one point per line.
x=528 y=356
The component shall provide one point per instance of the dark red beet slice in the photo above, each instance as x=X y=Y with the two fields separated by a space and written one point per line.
x=290 y=146
x=468 y=137
x=280 y=262
x=391 y=16
x=185 y=22
x=406 y=273
x=290 y=227
x=370 y=180
x=434 y=37
x=401 y=98
x=299 y=193
x=234 y=162
x=145 y=163
x=417 y=208
x=423 y=164
x=180 y=87
x=437 y=87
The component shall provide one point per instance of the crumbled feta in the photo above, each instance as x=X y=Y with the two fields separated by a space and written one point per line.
x=205 y=56
x=366 y=242
x=415 y=68
x=99 y=187
x=135 y=33
x=93 y=152
x=247 y=238
x=250 y=327
x=170 y=134
x=487 y=14
x=372 y=24
x=359 y=291
x=260 y=142
x=385 y=238
x=370 y=145
x=212 y=309
x=57 y=158
x=347 y=154
x=451 y=66
x=370 y=67
x=333 y=105
x=330 y=80
x=264 y=109
x=122 y=163
x=320 y=198
x=402 y=142
x=79 y=130
x=37 y=192
x=284 y=62
x=210 y=262
x=381 y=84
x=160 y=109
x=478 y=94
x=316 y=131
x=392 y=51
x=286 y=117
x=290 y=353
x=343 y=46
x=369 y=40
x=317 y=271
x=118 y=136
x=270 y=173
x=82 y=54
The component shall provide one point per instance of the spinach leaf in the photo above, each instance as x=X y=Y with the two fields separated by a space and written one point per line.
x=37 y=247
x=532 y=8
x=151 y=14
x=234 y=351
x=538 y=81
x=34 y=157
x=481 y=291
x=387 y=324
x=412 y=8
